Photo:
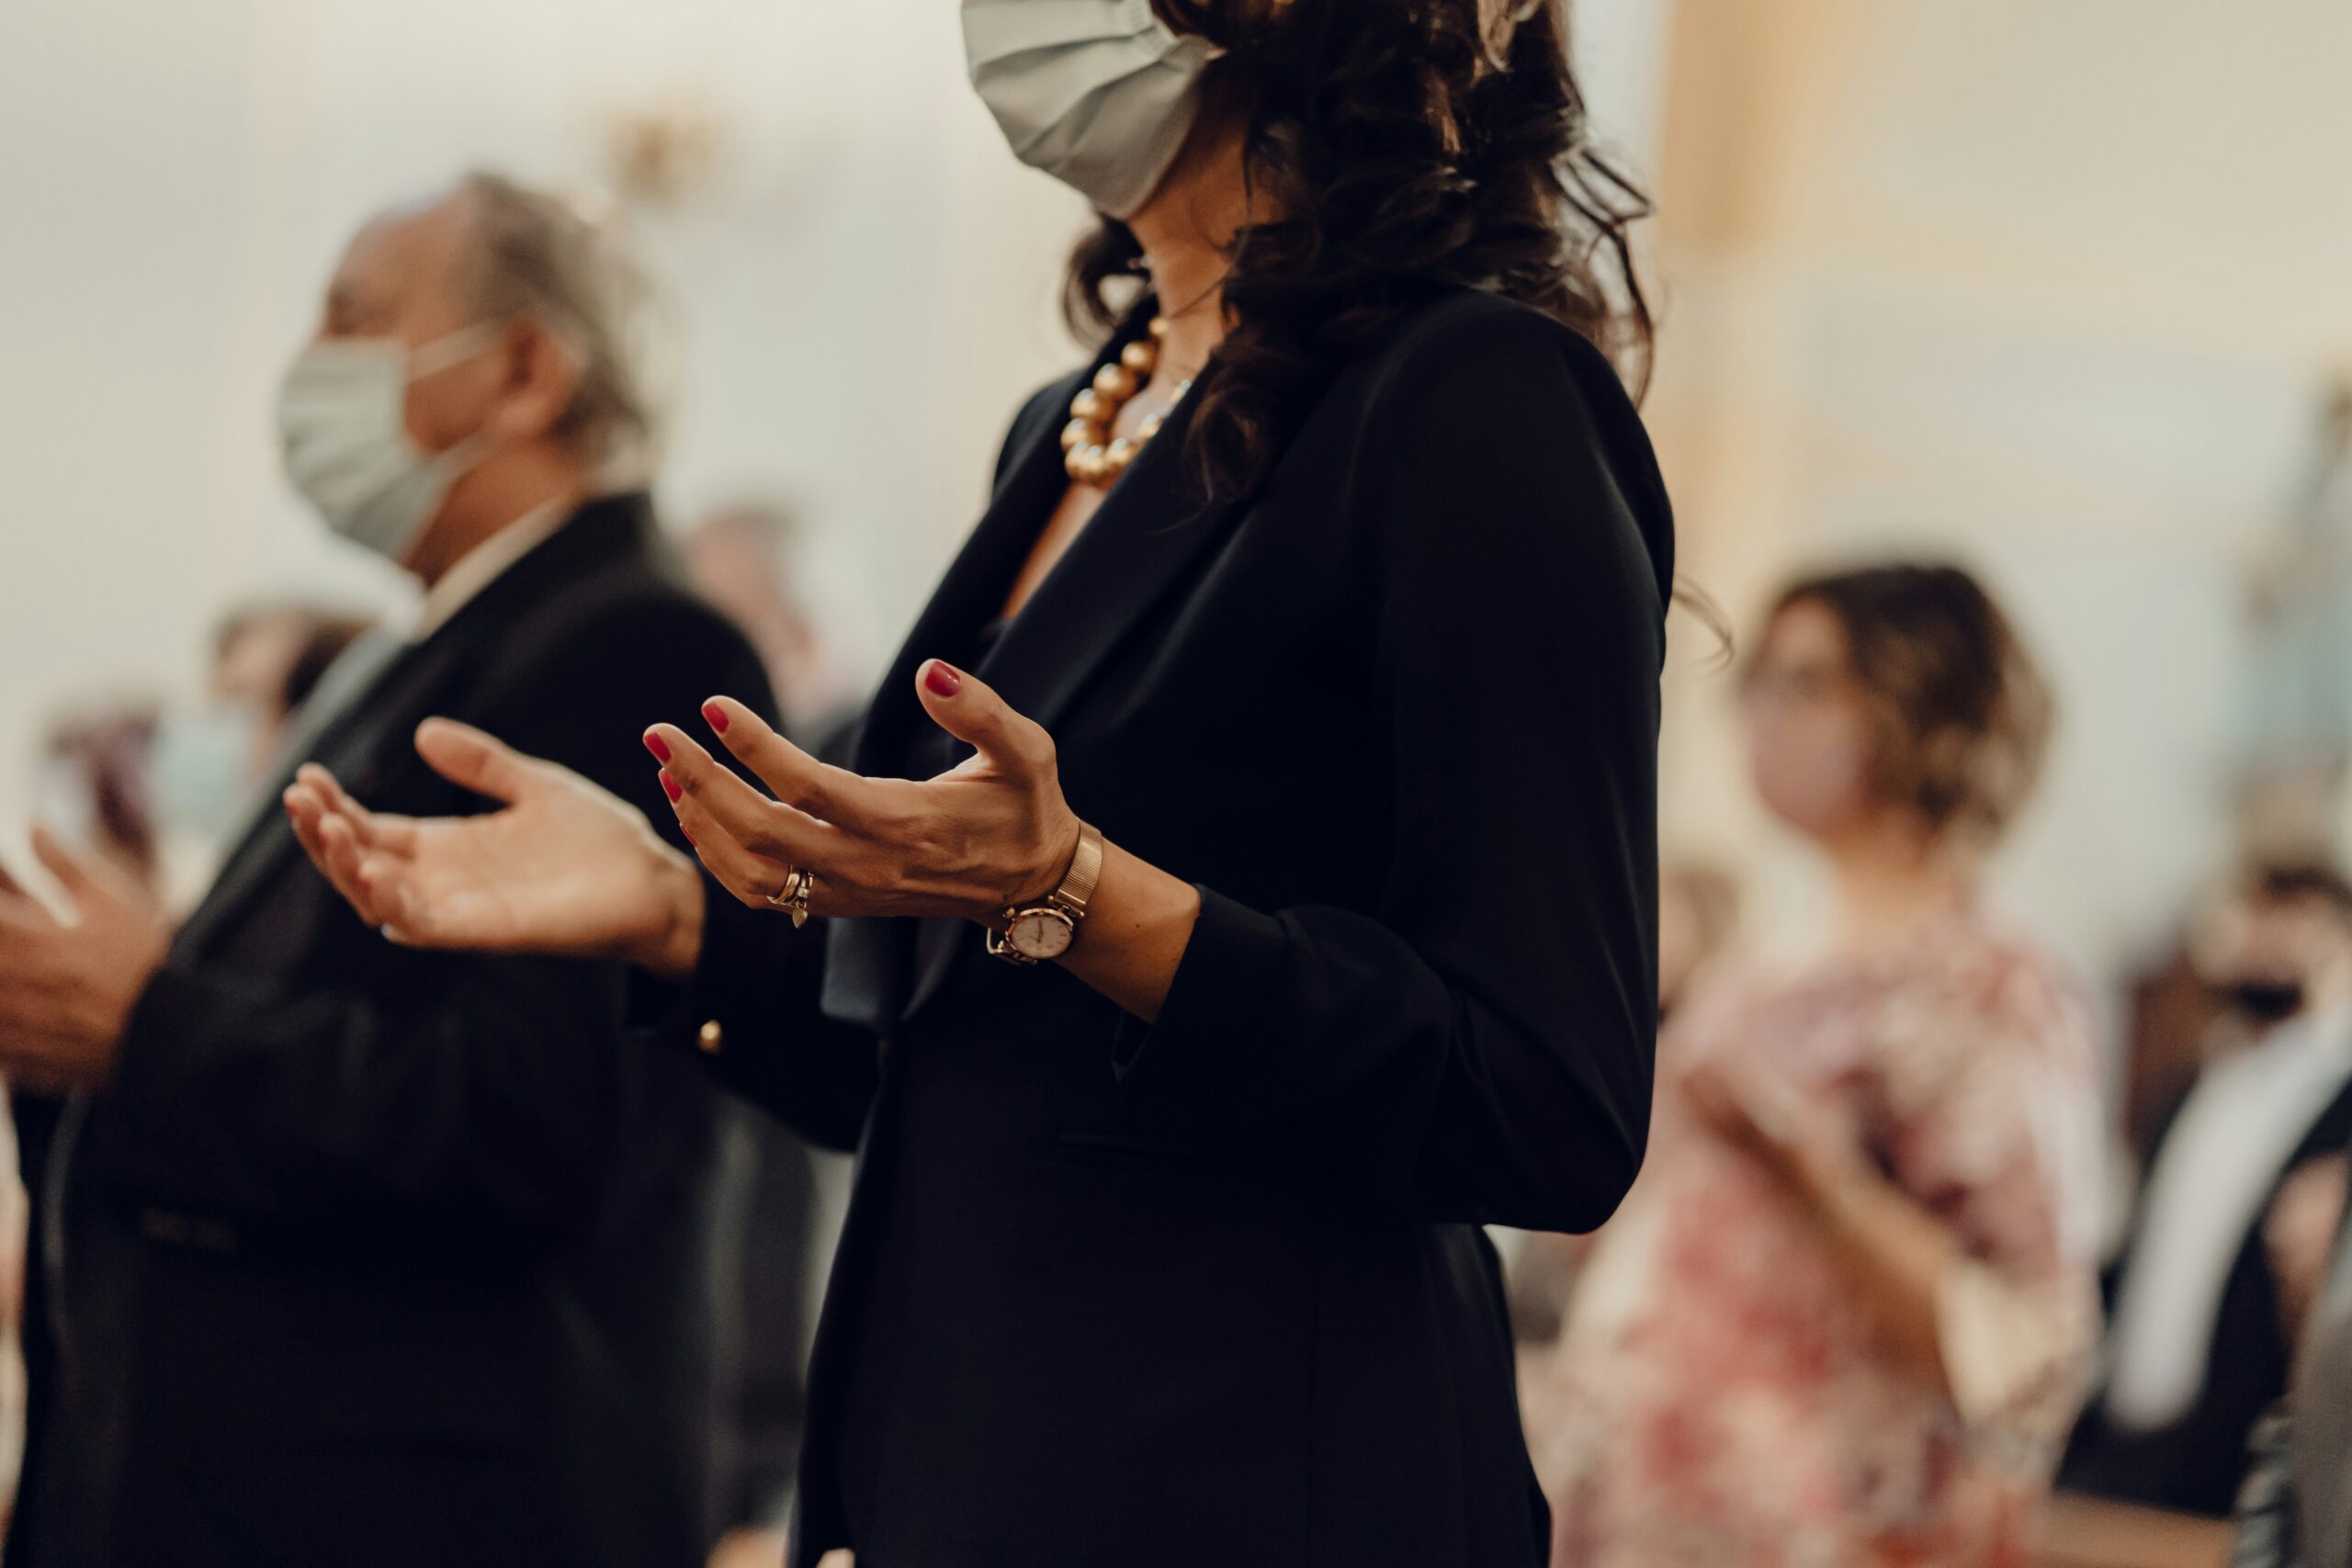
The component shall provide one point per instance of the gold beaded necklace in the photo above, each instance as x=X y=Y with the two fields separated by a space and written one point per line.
x=1089 y=452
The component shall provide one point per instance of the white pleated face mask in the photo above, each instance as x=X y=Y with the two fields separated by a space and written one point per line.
x=1099 y=94
x=342 y=430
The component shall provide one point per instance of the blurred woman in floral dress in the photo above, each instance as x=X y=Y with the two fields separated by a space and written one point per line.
x=1844 y=1317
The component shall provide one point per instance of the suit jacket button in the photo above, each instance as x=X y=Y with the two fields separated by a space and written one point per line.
x=710 y=1037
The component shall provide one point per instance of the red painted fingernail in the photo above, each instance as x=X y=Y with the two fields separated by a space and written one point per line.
x=942 y=678
x=672 y=788
x=716 y=715
x=659 y=746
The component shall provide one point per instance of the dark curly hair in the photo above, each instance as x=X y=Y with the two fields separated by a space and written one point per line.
x=1404 y=148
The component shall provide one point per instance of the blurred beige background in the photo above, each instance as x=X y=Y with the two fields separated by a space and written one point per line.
x=2045 y=285
x=2048 y=286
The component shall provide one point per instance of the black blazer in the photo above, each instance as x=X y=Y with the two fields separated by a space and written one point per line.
x=2197 y=1462
x=1213 y=1291
x=377 y=1256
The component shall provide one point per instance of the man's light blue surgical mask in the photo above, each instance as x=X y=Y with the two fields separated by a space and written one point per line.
x=343 y=427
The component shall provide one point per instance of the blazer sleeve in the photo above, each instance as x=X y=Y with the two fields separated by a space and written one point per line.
x=1478 y=1045
x=757 y=992
x=456 y=1095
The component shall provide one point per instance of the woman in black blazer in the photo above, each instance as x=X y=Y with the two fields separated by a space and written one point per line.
x=1165 y=1251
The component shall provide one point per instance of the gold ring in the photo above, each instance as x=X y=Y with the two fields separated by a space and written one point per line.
x=793 y=896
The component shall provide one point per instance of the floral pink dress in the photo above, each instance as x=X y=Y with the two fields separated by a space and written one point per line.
x=1719 y=1396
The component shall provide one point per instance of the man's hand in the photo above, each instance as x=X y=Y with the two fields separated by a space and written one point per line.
x=566 y=868
x=67 y=986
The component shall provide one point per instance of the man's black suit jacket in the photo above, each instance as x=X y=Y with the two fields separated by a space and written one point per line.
x=373 y=1256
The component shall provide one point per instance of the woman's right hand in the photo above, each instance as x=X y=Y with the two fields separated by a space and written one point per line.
x=565 y=868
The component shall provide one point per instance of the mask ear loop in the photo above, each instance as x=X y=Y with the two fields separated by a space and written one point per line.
x=1498 y=25
x=446 y=352
x=454 y=348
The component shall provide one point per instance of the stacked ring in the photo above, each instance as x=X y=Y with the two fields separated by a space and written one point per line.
x=793 y=897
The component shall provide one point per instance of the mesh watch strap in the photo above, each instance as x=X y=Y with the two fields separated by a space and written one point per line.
x=1085 y=870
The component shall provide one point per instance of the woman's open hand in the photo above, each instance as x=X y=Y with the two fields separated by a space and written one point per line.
x=565 y=868
x=991 y=833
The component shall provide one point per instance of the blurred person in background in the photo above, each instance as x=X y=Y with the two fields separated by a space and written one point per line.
x=353 y=1254
x=212 y=761
x=154 y=788
x=1334 y=591
x=2292 y=709
x=93 y=788
x=268 y=658
x=2295 y=1510
x=767 y=1250
x=739 y=559
x=1842 y=1317
x=2200 y=1335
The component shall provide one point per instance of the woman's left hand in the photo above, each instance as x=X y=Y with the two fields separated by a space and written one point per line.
x=1769 y=1122
x=990 y=834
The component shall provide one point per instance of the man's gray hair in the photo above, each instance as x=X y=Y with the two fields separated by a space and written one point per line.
x=538 y=256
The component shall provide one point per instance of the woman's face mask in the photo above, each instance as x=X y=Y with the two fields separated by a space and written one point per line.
x=1099 y=94
x=1809 y=746
x=342 y=428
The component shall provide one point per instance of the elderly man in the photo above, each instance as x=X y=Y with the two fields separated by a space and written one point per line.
x=349 y=1253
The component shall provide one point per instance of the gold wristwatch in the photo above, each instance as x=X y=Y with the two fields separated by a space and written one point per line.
x=1038 y=933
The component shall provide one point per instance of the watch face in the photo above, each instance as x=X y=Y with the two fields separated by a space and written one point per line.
x=1040 y=934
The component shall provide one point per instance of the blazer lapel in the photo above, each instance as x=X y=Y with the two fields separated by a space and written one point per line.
x=1140 y=546
x=355 y=749
x=349 y=746
x=866 y=962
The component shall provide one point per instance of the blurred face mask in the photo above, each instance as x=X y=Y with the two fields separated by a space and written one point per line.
x=200 y=772
x=343 y=429
x=1099 y=94
x=1812 y=779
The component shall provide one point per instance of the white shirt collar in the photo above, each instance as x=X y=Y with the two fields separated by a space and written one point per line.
x=2207 y=1191
x=485 y=564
